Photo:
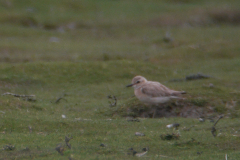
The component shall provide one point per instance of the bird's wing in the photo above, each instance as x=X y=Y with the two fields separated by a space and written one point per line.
x=155 y=90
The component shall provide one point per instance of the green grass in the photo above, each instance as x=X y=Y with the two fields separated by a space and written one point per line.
x=87 y=50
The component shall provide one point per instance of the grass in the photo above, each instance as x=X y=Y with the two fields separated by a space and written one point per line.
x=87 y=50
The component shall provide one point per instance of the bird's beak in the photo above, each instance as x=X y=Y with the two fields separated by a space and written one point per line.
x=130 y=85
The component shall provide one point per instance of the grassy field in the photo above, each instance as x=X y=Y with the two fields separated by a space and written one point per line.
x=72 y=54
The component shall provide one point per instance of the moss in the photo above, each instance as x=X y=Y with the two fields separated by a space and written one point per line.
x=199 y=102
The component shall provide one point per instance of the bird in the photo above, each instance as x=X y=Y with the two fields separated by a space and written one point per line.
x=153 y=93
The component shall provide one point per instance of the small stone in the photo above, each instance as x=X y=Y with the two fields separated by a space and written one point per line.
x=139 y=134
x=102 y=145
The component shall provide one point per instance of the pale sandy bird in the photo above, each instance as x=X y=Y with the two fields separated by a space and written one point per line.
x=151 y=92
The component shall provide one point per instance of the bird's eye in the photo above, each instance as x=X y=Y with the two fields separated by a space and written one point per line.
x=138 y=81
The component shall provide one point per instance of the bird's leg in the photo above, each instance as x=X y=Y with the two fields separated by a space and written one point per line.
x=154 y=111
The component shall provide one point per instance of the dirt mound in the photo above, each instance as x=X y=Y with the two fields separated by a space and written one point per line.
x=171 y=109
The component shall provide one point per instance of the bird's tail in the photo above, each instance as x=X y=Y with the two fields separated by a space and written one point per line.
x=183 y=92
x=176 y=93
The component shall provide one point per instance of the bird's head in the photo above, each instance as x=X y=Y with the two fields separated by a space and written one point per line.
x=136 y=81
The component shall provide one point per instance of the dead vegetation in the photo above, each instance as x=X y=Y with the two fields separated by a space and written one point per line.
x=25 y=97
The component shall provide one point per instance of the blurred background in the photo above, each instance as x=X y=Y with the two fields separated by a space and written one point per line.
x=167 y=31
